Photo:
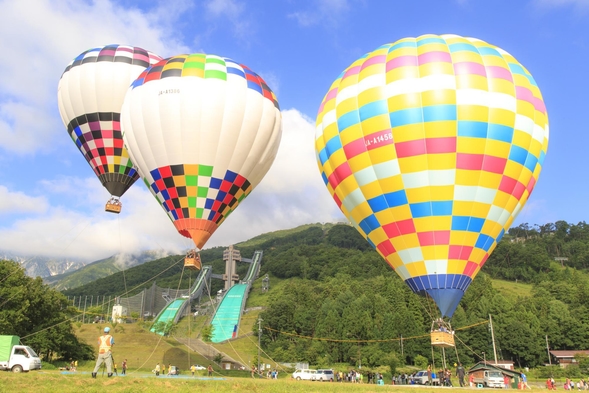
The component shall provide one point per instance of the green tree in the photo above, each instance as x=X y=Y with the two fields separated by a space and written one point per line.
x=38 y=314
x=421 y=362
x=392 y=360
x=206 y=333
x=583 y=361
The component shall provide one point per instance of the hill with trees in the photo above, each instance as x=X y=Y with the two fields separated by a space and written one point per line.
x=344 y=296
x=343 y=303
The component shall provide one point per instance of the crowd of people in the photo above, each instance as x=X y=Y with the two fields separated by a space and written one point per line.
x=569 y=384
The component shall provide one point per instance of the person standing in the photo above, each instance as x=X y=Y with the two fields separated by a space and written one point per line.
x=192 y=369
x=460 y=373
x=124 y=366
x=157 y=370
x=105 y=344
x=210 y=370
x=525 y=381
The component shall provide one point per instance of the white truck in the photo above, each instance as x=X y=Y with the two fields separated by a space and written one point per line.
x=17 y=358
x=420 y=378
x=488 y=378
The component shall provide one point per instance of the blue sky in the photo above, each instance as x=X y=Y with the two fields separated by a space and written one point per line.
x=52 y=205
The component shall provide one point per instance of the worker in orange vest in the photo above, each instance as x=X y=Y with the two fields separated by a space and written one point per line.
x=105 y=343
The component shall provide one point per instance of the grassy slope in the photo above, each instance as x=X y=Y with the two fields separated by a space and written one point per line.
x=141 y=348
x=280 y=234
x=512 y=290
x=144 y=349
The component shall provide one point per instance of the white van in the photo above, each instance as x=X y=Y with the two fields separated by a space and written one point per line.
x=305 y=374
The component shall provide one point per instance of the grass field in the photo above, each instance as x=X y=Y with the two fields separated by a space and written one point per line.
x=53 y=381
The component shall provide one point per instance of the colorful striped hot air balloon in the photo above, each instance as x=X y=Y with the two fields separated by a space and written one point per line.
x=431 y=146
x=90 y=96
x=203 y=131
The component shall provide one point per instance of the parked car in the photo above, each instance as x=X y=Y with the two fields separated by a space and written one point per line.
x=420 y=378
x=324 y=375
x=304 y=374
x=199 y=367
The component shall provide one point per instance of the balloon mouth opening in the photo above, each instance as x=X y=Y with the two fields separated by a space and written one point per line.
x=445 y=289
x=198 y=230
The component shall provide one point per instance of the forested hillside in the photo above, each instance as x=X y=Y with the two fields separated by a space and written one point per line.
x=342 y=302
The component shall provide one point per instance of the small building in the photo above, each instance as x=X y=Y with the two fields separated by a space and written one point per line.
x=482 y=370
x=564 y=358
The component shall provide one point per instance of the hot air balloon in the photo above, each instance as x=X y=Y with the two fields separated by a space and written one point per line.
x=431 y=146
x=90 y=96
x=203 y=131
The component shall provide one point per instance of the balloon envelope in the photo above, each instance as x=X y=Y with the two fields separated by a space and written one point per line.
x=431 y=146
x=90 y=96
x=203 y=131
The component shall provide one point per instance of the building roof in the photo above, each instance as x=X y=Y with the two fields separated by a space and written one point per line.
x=491 y=366
x=569 y=353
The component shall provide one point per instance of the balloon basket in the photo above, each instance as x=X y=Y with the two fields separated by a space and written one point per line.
x=442 y=335
x=442 y=339
x=192 y=260
x=113 y=206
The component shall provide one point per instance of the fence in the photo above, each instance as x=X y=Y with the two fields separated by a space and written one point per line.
x=147 y=303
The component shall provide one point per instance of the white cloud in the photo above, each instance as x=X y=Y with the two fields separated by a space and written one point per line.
x=65 y=231
x=291 y=194
x=18 y=202
x=229 y=8
x=322 y=12
x=68 y=220
x=234 y=12
x=579 y=4
x=40 y=37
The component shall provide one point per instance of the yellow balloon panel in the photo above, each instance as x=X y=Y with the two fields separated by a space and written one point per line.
x=444 y=138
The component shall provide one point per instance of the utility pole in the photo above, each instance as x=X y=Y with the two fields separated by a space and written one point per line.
x=402 y=355
x=260 y=320
x=84 y=314
x=548 y=350
x=493 y=338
